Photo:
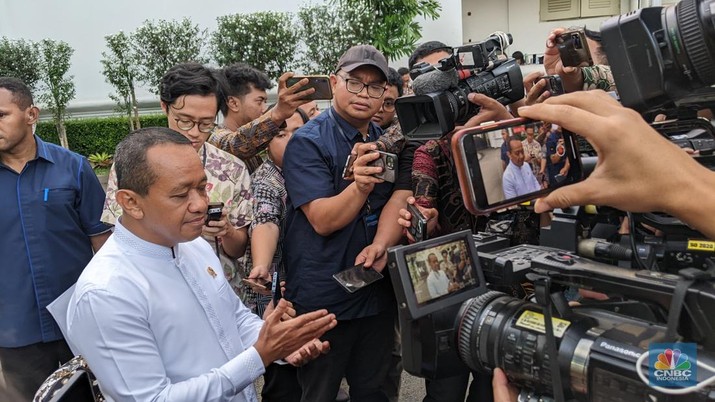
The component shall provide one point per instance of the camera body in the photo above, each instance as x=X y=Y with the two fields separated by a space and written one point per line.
x=661 y=56
x=441 y=91
x=596 y=349
x=573 y=49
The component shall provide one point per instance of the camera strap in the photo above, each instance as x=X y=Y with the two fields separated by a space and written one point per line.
x=542 y=286
x=688 y=277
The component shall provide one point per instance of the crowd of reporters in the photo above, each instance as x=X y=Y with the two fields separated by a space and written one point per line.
x=289 y=207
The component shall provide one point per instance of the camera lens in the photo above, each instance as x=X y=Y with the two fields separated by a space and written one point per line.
x=497 y=330
x=692 y=40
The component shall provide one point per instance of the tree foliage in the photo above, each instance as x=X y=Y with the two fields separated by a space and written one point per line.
x=159 y=45
x=395 y=32
x=120 y=70
x=264 y=40
x=20 y=59
x=59 y=88
x=329 y=30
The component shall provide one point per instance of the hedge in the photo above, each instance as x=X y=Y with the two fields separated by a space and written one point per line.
x=92 y=135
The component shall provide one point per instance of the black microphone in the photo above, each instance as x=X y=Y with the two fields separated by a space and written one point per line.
x=435 y=81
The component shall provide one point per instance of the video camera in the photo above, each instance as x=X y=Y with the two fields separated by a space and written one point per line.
x=440 y=101
x=663 y=56
x=593 y=352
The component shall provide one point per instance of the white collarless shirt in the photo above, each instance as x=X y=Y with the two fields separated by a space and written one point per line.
x=162 y=324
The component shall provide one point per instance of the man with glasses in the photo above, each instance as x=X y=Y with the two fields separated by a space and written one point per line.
x=190 y=97
x=330 y=221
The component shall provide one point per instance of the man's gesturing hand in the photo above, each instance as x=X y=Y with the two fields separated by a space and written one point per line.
x=279 y=339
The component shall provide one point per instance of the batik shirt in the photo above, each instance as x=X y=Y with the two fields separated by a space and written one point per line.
x=248 y=141
x=269 y=206
x=228 y=182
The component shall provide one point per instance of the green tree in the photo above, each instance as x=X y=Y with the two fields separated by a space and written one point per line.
x=328 y=31
x=120 y=70
x=20 y=59
x=265 y=40
x=395 y=32
x=59 y=88
x=161 y=45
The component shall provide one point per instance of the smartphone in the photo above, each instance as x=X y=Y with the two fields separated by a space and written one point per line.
x=264 y=288
x=388 y=162
x=347 y=170
x=356 y=278
x=487 y=186
x=213 y=213
x=418 y=223
x=321 y=83
x=553 y=84
x=573 y=49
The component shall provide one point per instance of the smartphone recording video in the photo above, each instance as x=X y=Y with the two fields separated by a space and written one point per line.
x=388 y=162
x=321 y=83
x=503 y=164
x=573 y=49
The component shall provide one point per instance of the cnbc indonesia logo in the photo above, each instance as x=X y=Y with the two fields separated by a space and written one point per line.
x=674 y=366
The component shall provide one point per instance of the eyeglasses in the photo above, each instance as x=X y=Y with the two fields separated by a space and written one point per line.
x=356 y=86
x=388 y=105
x=186 y=125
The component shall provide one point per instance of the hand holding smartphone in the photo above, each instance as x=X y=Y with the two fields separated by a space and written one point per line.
x=573 y=49
x=486 y=187
x=214 y=212
x=388 y=162
x=418 y=223
x=321 y=83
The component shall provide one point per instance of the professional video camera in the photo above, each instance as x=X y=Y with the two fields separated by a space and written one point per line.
x=590 y=354
x=663 y=56
x=440 y=101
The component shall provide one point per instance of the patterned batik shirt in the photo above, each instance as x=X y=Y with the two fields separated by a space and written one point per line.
x=248 y=141
x=269 y=206
x=228 y=182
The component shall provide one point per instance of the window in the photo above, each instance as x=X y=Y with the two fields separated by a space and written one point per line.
x=573 y=9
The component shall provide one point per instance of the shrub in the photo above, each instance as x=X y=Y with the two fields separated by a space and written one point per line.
x=96 y=135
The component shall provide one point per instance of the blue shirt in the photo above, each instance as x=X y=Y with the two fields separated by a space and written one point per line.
x=313 y=168
x=47 y=213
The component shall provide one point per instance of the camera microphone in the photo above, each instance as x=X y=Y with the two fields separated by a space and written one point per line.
x=435 y=81
x=596 y=248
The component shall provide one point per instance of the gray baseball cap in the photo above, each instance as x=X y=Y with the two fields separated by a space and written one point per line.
x=362 y=55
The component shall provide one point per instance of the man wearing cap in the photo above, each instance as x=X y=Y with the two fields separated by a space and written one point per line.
x=330 y=221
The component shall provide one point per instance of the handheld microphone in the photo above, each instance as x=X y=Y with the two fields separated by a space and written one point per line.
x=435 y=81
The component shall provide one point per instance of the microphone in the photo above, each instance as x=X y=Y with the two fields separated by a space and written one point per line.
x=435 y=81
x=597 y=248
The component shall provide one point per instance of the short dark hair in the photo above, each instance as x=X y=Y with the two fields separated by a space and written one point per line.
x=427 y=49
x=509 y=140
x=189 y=79
x=518 y=56
x=395 y=79
x=240 y=77
x=130 y=162
x=403 y=70
x=21 y=94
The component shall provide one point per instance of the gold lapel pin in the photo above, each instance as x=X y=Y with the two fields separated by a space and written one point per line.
x=211 y=272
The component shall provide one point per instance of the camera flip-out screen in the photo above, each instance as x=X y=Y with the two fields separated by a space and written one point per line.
x=438 y=273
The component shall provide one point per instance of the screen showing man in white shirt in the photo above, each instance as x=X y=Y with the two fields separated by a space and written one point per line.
x=518 y=177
